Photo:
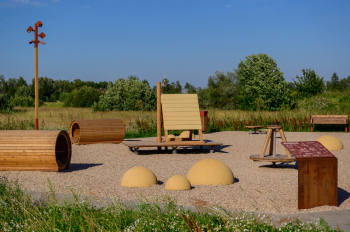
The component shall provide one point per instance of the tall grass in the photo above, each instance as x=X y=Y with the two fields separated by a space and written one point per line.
x=19 y=213
x=143 y=124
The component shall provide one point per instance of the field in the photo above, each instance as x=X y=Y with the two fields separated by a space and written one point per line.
x=53 y=116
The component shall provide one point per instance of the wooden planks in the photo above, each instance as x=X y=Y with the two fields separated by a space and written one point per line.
x=97 y=131
x=34 y=150
x=180 y=112
x=317 y=182
x=329 y=119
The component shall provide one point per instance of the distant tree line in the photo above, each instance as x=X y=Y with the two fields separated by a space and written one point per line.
x=256 y=84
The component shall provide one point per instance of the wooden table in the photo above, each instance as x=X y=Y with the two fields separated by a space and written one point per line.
x=317 y=174
x=253 y=127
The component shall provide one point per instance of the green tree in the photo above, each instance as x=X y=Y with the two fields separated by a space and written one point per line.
x=309 y=84
x=171 y=88
x=221 y=92
x=127 y=94
x=334 y=84
x=190 y=88
x=82 y=97
x=5 y=104
x=344 y=83
x=262 y=84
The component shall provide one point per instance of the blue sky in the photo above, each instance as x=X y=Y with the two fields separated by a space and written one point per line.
x=186 y=39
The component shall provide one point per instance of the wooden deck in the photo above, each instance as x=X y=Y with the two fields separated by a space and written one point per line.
x=135 y=145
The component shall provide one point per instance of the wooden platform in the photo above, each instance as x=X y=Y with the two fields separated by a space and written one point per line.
x=271 y=158
x=135 y=145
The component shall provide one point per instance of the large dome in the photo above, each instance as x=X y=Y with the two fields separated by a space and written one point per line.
x=210 y=172
x=330 y=142
x=139 y=177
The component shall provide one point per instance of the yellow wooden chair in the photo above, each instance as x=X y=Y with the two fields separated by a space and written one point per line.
x=181 y=112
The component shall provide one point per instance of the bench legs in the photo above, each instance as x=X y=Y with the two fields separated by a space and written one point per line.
x=346 y=129
x=312 y=129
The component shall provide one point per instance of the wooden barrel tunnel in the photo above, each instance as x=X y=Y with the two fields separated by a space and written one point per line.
x=97 y=131
x=38 y=150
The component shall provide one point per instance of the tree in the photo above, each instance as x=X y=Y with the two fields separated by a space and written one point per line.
x=171 y=88
x=85 y=96
x=344 y=83
x=221 y=91
x=127 y=94
x=190 y=88
x=309 y=84
x=262 y=84
x=334 y=84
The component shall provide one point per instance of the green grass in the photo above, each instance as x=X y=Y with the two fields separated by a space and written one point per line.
x=19 y=213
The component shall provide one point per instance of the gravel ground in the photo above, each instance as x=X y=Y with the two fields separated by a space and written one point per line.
x=97 y=170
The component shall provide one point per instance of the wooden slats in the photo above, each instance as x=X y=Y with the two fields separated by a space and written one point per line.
x=34 y=150
x=97 y=131
x=180 y=112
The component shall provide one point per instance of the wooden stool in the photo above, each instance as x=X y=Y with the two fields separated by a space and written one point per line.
x=272 y=157
x=253 y=127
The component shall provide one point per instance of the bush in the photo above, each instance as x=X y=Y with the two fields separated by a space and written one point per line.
x=83 y=97
x=22 y=101
x=5 y=104
x=127 y=94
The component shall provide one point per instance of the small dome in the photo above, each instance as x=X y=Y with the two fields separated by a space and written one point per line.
x=330 y=142
x=178 y=183
x=210 y=172
x=139 y=177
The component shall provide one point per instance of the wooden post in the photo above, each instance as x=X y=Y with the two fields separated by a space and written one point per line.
x=36 y=82
x=159 y=113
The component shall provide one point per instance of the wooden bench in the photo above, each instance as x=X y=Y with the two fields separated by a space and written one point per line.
x=329 y=119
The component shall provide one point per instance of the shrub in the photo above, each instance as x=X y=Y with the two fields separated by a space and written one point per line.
x=83 y=97
x=5 y=104
x=127 y=94
x=22 y=101
x=309 y=84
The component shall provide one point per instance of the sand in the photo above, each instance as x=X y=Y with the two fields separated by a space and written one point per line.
x=97 y=170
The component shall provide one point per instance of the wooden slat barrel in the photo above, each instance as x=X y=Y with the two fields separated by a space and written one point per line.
x=34 y=150
x=97 y=131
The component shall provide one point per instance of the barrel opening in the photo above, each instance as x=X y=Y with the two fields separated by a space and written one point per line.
x=63 y=151
x=75 y=133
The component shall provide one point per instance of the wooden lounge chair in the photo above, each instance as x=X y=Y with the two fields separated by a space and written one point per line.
x=181 y=112
x=175 y=112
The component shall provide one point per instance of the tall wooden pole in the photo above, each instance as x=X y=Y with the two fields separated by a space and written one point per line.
x=36 y=86
x=159 y=113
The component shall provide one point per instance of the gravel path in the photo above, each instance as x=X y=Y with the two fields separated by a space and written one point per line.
x=96 y=170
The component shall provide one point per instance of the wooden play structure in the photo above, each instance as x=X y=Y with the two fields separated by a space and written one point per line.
x=97 y=131
x=175 y=112
x=329 y=119
x=272 y=157
x=38 y=150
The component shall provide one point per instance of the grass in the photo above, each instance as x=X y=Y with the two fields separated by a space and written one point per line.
x=19 y=213
x=53 y=116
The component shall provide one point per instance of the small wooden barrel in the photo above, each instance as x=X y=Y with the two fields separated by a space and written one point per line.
x=34 y=150
x=97 y=131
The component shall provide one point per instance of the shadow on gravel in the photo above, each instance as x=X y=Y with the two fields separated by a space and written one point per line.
x=292 y=165
x=343 y=195
x=79 y=167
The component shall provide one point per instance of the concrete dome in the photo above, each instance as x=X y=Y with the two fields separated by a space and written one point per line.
x=210 y=172
x=139 y=177
x=178 y=183
x=330 y=142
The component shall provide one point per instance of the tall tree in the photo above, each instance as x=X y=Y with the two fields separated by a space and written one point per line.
x=262 y=84
x=309 y=84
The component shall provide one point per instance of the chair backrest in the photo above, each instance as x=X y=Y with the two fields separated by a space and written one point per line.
x=180 y=112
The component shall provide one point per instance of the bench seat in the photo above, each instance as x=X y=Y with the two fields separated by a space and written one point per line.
x=329 y=119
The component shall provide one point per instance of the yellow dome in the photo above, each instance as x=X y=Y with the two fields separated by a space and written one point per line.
x=210 y=172
x=330 y=142
x=139 y=177
x=178 y=183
